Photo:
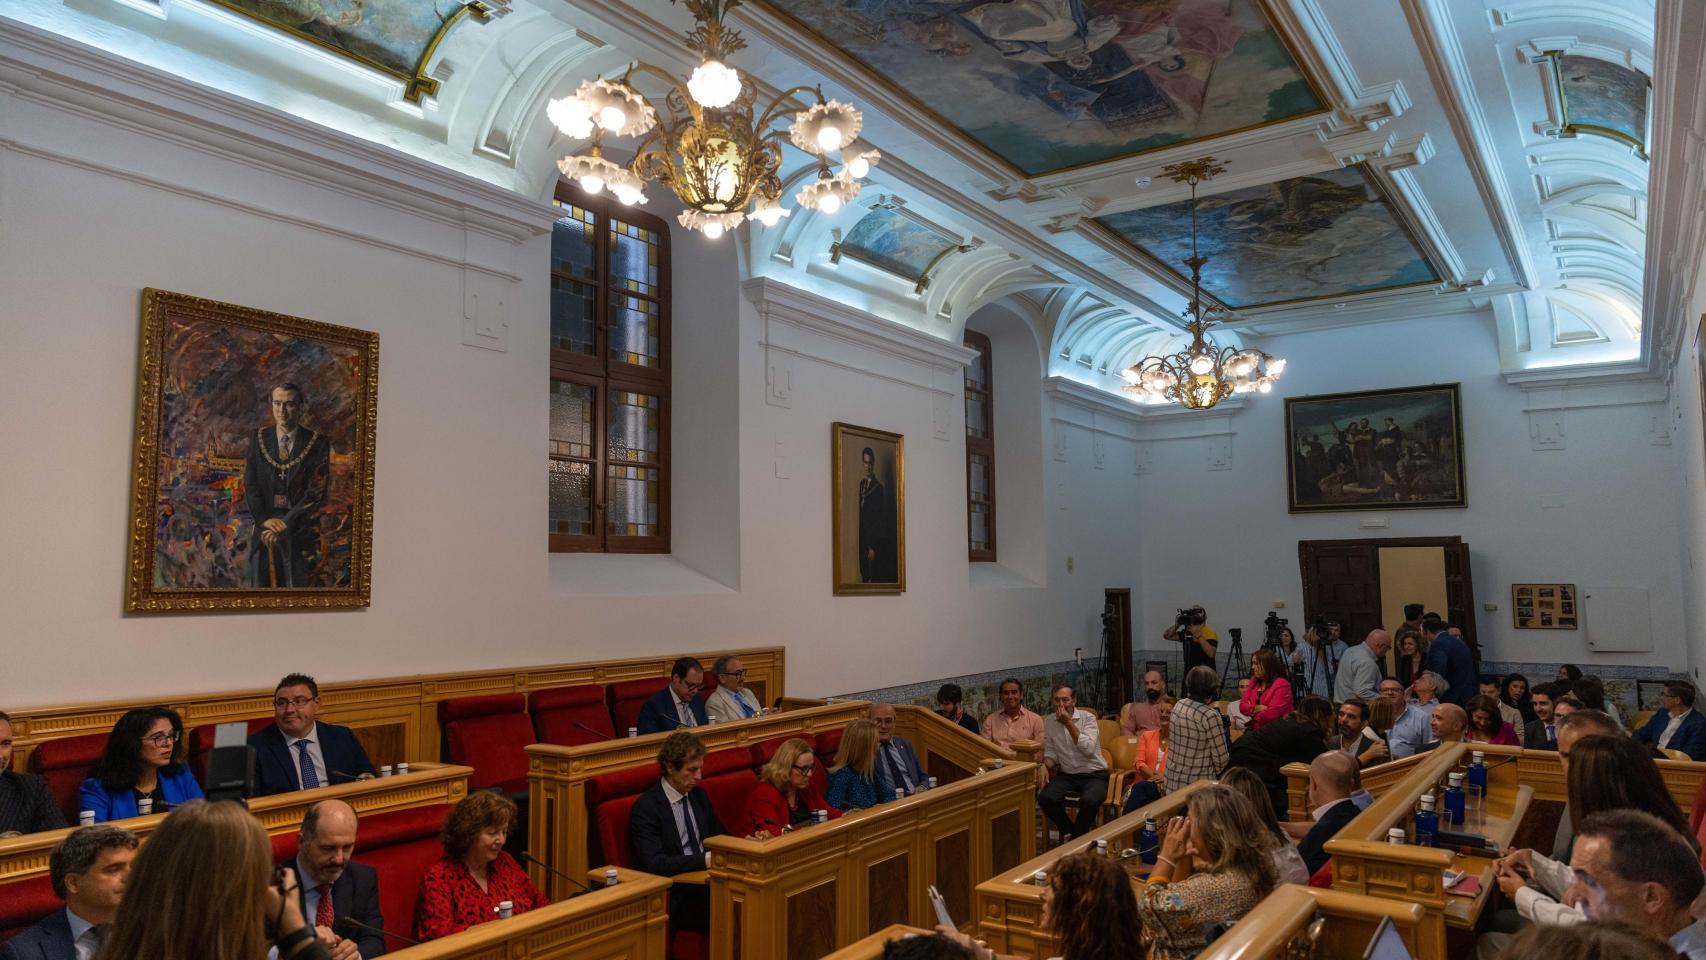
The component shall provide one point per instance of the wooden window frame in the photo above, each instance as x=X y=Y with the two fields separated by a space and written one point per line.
x=983 y=446
x=607 y=375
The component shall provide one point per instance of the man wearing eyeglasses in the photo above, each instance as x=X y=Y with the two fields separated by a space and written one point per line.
x=731 y=700
x=679 y=704
x=298 y=753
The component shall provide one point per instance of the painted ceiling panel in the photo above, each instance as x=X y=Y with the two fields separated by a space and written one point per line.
x=390 y=34
x=1326 y=235
x=1602 y=97
x=890 y=240
x=1052 y=84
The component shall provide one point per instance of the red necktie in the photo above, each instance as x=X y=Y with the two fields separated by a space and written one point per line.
x=323 y=913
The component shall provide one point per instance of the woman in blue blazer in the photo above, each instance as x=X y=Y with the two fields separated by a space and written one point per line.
x=853 y=783
x=144 y=757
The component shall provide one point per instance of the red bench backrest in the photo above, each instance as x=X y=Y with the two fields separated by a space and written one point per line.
x=556 y=711
x=628 y=696
x=490 y=734
x=64 y=764
x=24 y=905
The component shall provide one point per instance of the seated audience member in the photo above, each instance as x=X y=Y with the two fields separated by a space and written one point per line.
x=679 y=704
x=1449 y=657
x=1072 y=752
x=26 y=805
x=1208 y=872
x=1393 y=690
x=784 y=796
x=1590 y=690
x=936 y=946
x=1013 y=722
x=1299 y=738
x=1088 y=906
x=336 y=889
x=1412 y=730
x=1288 y=864
x=298 y=753
x=1196 y=739
x=1587 y=723
x=950 y=705
x=669 y=824
x=1678 y=726
x=1382 y=714
x=1268 y=697
x=1332 y=779
x=1631 y=868
x=144 y=757
x=88 y=870
x=1486 y=724
x=1568 y=704
x=1315 y=668
x=1514 y=692
x=1449 y=724
x=203 y=886
x=1613 y=772
x=853 y=781
x=1568 y=674
x=1236 y=718
x=897 y=763
x=731 y=700
x=1151 y=764
x=1141 y=715
x=1360 y=670
x=1588 y=941
x=465 y=886
x=1489 y=687
x=1541 y=733
x=1356 y=738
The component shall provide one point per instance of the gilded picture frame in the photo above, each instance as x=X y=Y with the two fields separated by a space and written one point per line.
x=1545 y=606
x=253 y=475
x=1397 y=449
x=868 y=510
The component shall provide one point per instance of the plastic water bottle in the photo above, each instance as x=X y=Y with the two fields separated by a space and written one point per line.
x=610 y=877
x=506 y=909
x=1396 y=835
x=85 y=818
x=1427 y=822
x=1454 y=801
x=402 y=769
x=1478 y=784
x=1148 y=842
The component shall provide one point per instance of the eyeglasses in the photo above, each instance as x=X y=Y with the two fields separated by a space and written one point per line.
x=737 y=674
x=804 y=767
x=297 y=702
x=695 y=686
x=162 y=739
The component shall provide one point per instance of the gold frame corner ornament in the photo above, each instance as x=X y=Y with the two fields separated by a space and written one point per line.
x=838 y=431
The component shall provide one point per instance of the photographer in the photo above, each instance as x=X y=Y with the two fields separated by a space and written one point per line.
x=1200 y=641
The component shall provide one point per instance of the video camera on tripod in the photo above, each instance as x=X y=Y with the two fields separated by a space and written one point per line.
x=1189 y=617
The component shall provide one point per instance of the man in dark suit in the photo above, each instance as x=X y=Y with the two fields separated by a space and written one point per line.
x=1678 y=726
x=285 y=477
x=878 y=555
x=1332 y=779
x=897 y=763
x=88 y=870
x=333 y=888
x=26 y=805
x=668 y=826
x=1449 y=656
x=1541 y=733
x=1354 y=737
x=679 y=704
x=296 y=752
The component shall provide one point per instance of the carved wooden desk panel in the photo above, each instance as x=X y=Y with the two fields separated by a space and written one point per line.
x=626 y=922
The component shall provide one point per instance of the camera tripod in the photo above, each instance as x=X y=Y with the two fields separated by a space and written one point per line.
x=1236 y=667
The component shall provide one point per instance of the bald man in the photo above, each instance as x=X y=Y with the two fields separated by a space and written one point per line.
x=1332 y=780
x=1360 y=670
x=1449 y=723
x=335 y=889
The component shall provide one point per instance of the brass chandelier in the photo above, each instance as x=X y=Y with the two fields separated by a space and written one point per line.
x=1202 y=374
x=710 y=151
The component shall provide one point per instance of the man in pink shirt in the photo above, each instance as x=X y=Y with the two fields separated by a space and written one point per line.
x=1012 y=722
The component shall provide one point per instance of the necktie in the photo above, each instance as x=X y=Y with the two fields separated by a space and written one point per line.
x=310 y=779
x=284 y=445
x=89 y=943
x=744 y=707
x=687 y=818
x=684 y=713
x=323 y=912
x=1550 y=735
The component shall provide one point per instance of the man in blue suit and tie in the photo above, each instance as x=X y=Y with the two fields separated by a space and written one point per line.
x=677 y=705
x=89 y=870
x=297 y=753
x=1678 y=726
x=897 y=762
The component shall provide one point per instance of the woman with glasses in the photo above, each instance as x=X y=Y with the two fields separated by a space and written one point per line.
x=143 y=759
x=785 y=796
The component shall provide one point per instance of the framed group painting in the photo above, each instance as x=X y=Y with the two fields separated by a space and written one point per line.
x=253 y=477
x=1385 y=449
x=868 y=516
x=1544 y=606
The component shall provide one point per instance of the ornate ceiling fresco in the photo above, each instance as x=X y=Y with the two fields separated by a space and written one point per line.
x=893 y=239
x=1604 y=98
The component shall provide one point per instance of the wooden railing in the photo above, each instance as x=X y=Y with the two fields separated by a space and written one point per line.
x=871 y=947
x=1280 y=926
x=396 y=718
x=625 y=922
x=424 y=785
x=1376 y=780
x=813 y=891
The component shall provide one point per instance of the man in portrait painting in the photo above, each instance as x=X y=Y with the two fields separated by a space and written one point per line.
x=285 y=478
x=877 y=558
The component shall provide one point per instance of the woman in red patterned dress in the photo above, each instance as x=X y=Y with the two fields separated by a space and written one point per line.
x=475 y=875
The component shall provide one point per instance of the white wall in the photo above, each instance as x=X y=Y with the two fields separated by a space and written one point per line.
x=1689 y=482
x=1600 y=512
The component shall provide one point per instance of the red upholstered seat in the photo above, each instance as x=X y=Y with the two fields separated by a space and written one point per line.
x=490 y=734
x=627 y=696
x=728 y=781
x=64 y=764
x=25 y=904
x=689 y=945
x=557 y=711
x=400 y=845
x=828 y=742
x=201 y=743
x=1323 y=877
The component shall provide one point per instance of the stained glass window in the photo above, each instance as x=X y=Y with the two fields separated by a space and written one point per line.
x=980 y=452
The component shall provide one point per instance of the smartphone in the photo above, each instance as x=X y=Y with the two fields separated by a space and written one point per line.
x=941 y=907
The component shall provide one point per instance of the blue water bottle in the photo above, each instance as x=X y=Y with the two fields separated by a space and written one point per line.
x=1478 y=782
x=1454 y=801
x=1427 y=822
x=1148 y=842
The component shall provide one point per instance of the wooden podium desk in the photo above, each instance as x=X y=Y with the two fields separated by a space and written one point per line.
x=1284 y=925
x=626 y=922
x=811 y=892
x=871 y=947
x=425 y=784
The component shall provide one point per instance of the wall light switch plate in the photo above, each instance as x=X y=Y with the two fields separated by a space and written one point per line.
x=1489 y=607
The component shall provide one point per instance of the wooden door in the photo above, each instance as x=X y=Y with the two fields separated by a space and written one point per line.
x=1460 y=595
x=1341 y=580
x=1116 y=647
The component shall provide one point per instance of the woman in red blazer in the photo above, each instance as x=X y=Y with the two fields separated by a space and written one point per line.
x=1268 y=697
x=784 y=796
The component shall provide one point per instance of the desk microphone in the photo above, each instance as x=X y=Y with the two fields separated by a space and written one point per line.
x=348 y=777
x=347 y=925
x=600 y=734
x=530 y=858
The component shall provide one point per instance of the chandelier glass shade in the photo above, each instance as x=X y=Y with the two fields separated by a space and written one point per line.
x=708 y=142
x=1202 y=374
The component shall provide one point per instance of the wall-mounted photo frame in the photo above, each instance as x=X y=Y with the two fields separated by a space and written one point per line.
x=1398 y=449
x=868 y=510
x=254 y=451
x=1545 y=606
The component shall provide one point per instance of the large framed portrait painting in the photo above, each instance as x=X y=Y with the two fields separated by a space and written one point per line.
x=868 y=491
x=253 y=484
x=1379 y=449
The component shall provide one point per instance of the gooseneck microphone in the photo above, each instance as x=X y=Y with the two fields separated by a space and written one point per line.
x=530 y=858
x=331 y=775
x=344 y=926
x=600 y=734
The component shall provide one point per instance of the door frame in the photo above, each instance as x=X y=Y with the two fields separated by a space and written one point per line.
x=1305 y=548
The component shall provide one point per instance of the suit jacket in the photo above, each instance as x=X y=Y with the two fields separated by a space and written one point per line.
x=294 y=498
x=108 y=805
x=1690 y=737
x=908 y=758
x=355 y=895
x=658 y=714
x=1313 y=845
x=276 y=765
x=1365 y=742
x=654 y=840
x=725 y=706
x=1534 y=735
x=26 y=805
x=48 y=940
